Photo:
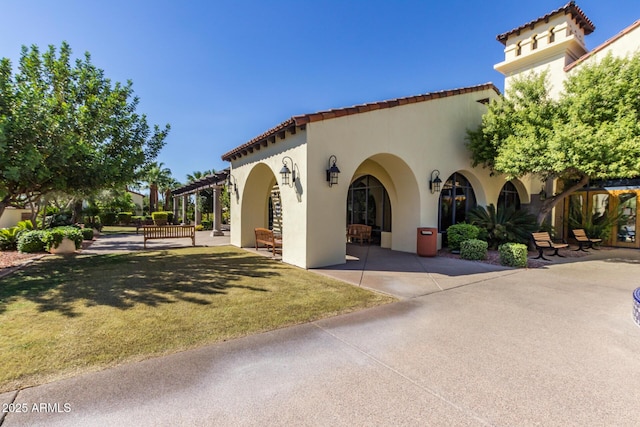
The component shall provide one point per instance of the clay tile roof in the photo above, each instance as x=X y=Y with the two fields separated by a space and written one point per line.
x=603 y=45
x=297 y=121
x=569 y=8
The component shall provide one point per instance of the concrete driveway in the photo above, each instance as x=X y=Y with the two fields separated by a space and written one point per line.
x=468 y=344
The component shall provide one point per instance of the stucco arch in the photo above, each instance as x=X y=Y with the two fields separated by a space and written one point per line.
x=479 y=190
x=255 y=202
x=525 y=196
x=402 y=187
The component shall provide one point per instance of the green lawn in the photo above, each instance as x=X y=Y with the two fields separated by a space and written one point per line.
x=63 y=316
x=118 y=229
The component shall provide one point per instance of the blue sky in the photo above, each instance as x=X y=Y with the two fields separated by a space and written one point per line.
x=223 y=72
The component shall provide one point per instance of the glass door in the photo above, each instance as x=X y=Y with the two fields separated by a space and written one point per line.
x=626 y=225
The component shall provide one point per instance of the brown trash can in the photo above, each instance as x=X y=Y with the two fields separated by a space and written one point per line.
x=427 y=241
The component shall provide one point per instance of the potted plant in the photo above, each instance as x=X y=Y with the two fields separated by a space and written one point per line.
x=63 y=240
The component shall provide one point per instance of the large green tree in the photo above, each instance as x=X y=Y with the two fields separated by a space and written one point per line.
x=157 y=177
x=591 y=131
x=65 y=127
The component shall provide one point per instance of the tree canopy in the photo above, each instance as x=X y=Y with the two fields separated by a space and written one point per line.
x=65 y=127
x=592 y=131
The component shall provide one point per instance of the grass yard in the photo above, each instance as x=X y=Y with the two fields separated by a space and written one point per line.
x=118 y=229
x=64 y=316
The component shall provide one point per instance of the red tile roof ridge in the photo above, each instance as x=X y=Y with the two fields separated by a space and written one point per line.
x=608 y=42
x=303 y=119
x=570 y=7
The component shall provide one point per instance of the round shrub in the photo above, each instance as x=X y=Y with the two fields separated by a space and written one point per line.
x=32 y=241
x=108 y=218
x=124 y=218
x=473 y=249
x=55 y=236
x=458 y=233
x=87 y=233
x=208 y=225
x=199 y=227
x=160 y=217
x=513 y=254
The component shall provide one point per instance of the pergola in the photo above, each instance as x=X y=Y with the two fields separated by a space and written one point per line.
x=215 y=182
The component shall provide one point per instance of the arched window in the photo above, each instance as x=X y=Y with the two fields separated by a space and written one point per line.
x=508 y=197
x=368 y=203
x=534 y=42
x=518 y=49
x=456 y=199
x=552 y=35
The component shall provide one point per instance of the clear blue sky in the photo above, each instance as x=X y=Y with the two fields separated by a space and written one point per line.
x=223 y=72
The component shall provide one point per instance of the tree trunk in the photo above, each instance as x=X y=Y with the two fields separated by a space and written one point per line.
x=153 y=198
x=551 y=202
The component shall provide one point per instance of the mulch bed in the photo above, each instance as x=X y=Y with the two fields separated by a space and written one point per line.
x=493 y=257
x=11 y=260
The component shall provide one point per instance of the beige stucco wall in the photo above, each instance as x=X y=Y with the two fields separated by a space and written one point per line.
x=11 y=216
x=255 y=175
x=400 y=146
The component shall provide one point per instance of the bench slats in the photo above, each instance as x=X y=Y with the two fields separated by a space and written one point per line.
x=542 y=240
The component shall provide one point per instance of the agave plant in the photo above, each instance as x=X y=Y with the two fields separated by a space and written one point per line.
x=504 y=225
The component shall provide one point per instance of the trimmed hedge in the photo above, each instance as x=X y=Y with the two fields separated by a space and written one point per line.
x=474 y=249
x=54 y=237
x=208 y=225
x=124 y=218
x=87 y=233
x=513 y=254
x=108 y=218
x=458 y=233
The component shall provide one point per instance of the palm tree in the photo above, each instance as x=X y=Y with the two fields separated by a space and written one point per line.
x=196 y=175
x=157 y=176
x=166 y=190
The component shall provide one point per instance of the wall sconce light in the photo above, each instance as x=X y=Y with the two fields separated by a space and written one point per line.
x=333 y=171
x=435 y=181
x=232 y=184
x=285 y=172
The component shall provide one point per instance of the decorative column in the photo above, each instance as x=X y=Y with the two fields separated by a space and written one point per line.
x=217 y=212
x=184 y=208
x=175 y=209
x=196 y=212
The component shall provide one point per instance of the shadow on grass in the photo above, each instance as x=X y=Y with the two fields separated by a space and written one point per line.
x=124 y=280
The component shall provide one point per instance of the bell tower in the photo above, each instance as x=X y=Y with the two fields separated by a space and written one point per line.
x=550 y=43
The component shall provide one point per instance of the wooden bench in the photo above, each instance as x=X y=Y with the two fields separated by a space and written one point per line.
x=139 y=223
x=584 y=240
x=543 y=241
x=359 y=232
x=268 y=239
x=151 y=232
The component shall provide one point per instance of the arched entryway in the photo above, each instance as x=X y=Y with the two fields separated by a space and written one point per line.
x=368 y=203
x=384 y=193
x=509 y=197
x=261 y=204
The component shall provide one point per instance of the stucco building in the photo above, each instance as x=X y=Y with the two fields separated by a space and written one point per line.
x=390 y=153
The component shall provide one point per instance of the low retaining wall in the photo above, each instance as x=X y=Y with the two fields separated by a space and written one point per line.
x=636 y=306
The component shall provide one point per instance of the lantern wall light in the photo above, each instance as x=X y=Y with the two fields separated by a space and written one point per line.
x=288 y=175
x=232 y=184
x=435 y=182
x=332 y=171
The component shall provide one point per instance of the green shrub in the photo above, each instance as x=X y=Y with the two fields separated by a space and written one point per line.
x=108 y=218
x=208 y=225
x=458 y=233
x=473 y=249
x=124 y=218
x=160 y=217
x=55 y=236
x=9 y=236
x=87 y=233
x=199 y=227
x=513 y=254
x=170 y=217
x=32 y=241
x=505 y=225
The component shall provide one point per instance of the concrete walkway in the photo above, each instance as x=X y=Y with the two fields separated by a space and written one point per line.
x=467 y=344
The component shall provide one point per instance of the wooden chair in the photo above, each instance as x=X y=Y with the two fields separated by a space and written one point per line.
x=359 y=232
x=542 y=241
x=584 y=240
